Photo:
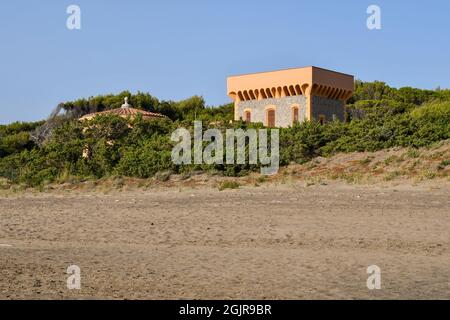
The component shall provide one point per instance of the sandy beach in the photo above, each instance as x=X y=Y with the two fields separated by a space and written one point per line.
x=267 y=242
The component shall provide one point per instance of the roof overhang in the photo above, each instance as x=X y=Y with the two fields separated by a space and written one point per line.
x=327 y=82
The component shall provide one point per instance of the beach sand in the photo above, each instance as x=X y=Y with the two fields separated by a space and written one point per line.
x=267 y=242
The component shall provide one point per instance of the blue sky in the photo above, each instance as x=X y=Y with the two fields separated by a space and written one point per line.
x=176 y=49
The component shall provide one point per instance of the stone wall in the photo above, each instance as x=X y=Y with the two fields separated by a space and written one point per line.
x=283 y=109
x=328 y=108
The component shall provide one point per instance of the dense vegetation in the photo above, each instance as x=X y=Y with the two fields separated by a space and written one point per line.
x=378 y=117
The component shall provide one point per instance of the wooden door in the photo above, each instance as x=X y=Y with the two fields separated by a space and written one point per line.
x=248 y=116
x=294 y=115
x=271 y=118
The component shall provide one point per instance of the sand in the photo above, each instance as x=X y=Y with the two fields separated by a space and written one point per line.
x=268 y=242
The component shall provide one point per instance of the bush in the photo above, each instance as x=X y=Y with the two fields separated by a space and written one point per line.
x=140 y=148
x=163 y=176
x=228 y=185
x=15 y=138
x=143 y=161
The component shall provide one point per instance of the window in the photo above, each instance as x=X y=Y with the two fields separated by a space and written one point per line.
x=294 y=115
x=247 y=116
x=322 y=119
x=271 y=118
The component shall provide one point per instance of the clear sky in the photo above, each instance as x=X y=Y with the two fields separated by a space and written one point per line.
x=176 y=49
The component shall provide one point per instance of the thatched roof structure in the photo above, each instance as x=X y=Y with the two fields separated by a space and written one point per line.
x=126 y=111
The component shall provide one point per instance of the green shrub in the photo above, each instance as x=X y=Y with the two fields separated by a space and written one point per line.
x=228 y=185
x=143 y=161
x=392 y=117
x=163 y=176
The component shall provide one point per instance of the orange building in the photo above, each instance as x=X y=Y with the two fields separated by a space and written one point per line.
x=282 y=98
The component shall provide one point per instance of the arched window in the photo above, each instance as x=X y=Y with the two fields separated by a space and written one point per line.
x=294 y=115
x=270 y=115
x=247 y=116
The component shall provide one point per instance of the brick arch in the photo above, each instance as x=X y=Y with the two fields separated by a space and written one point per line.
x=292 y=90
x=262 y=93
x=304 y=87
x=280 y=92
x=233 y=95
x=273 y=90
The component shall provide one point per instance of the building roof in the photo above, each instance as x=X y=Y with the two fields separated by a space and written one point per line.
x=297 y=80
x=125 y=111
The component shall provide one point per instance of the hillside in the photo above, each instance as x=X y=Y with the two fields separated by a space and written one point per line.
x=379 y=118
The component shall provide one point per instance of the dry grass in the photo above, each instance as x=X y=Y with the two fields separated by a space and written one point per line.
x=387 y=165
x=228 y=185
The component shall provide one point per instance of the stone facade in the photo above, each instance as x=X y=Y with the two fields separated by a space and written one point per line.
x=269 y=97
x=283 y=109
x=329 y=108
